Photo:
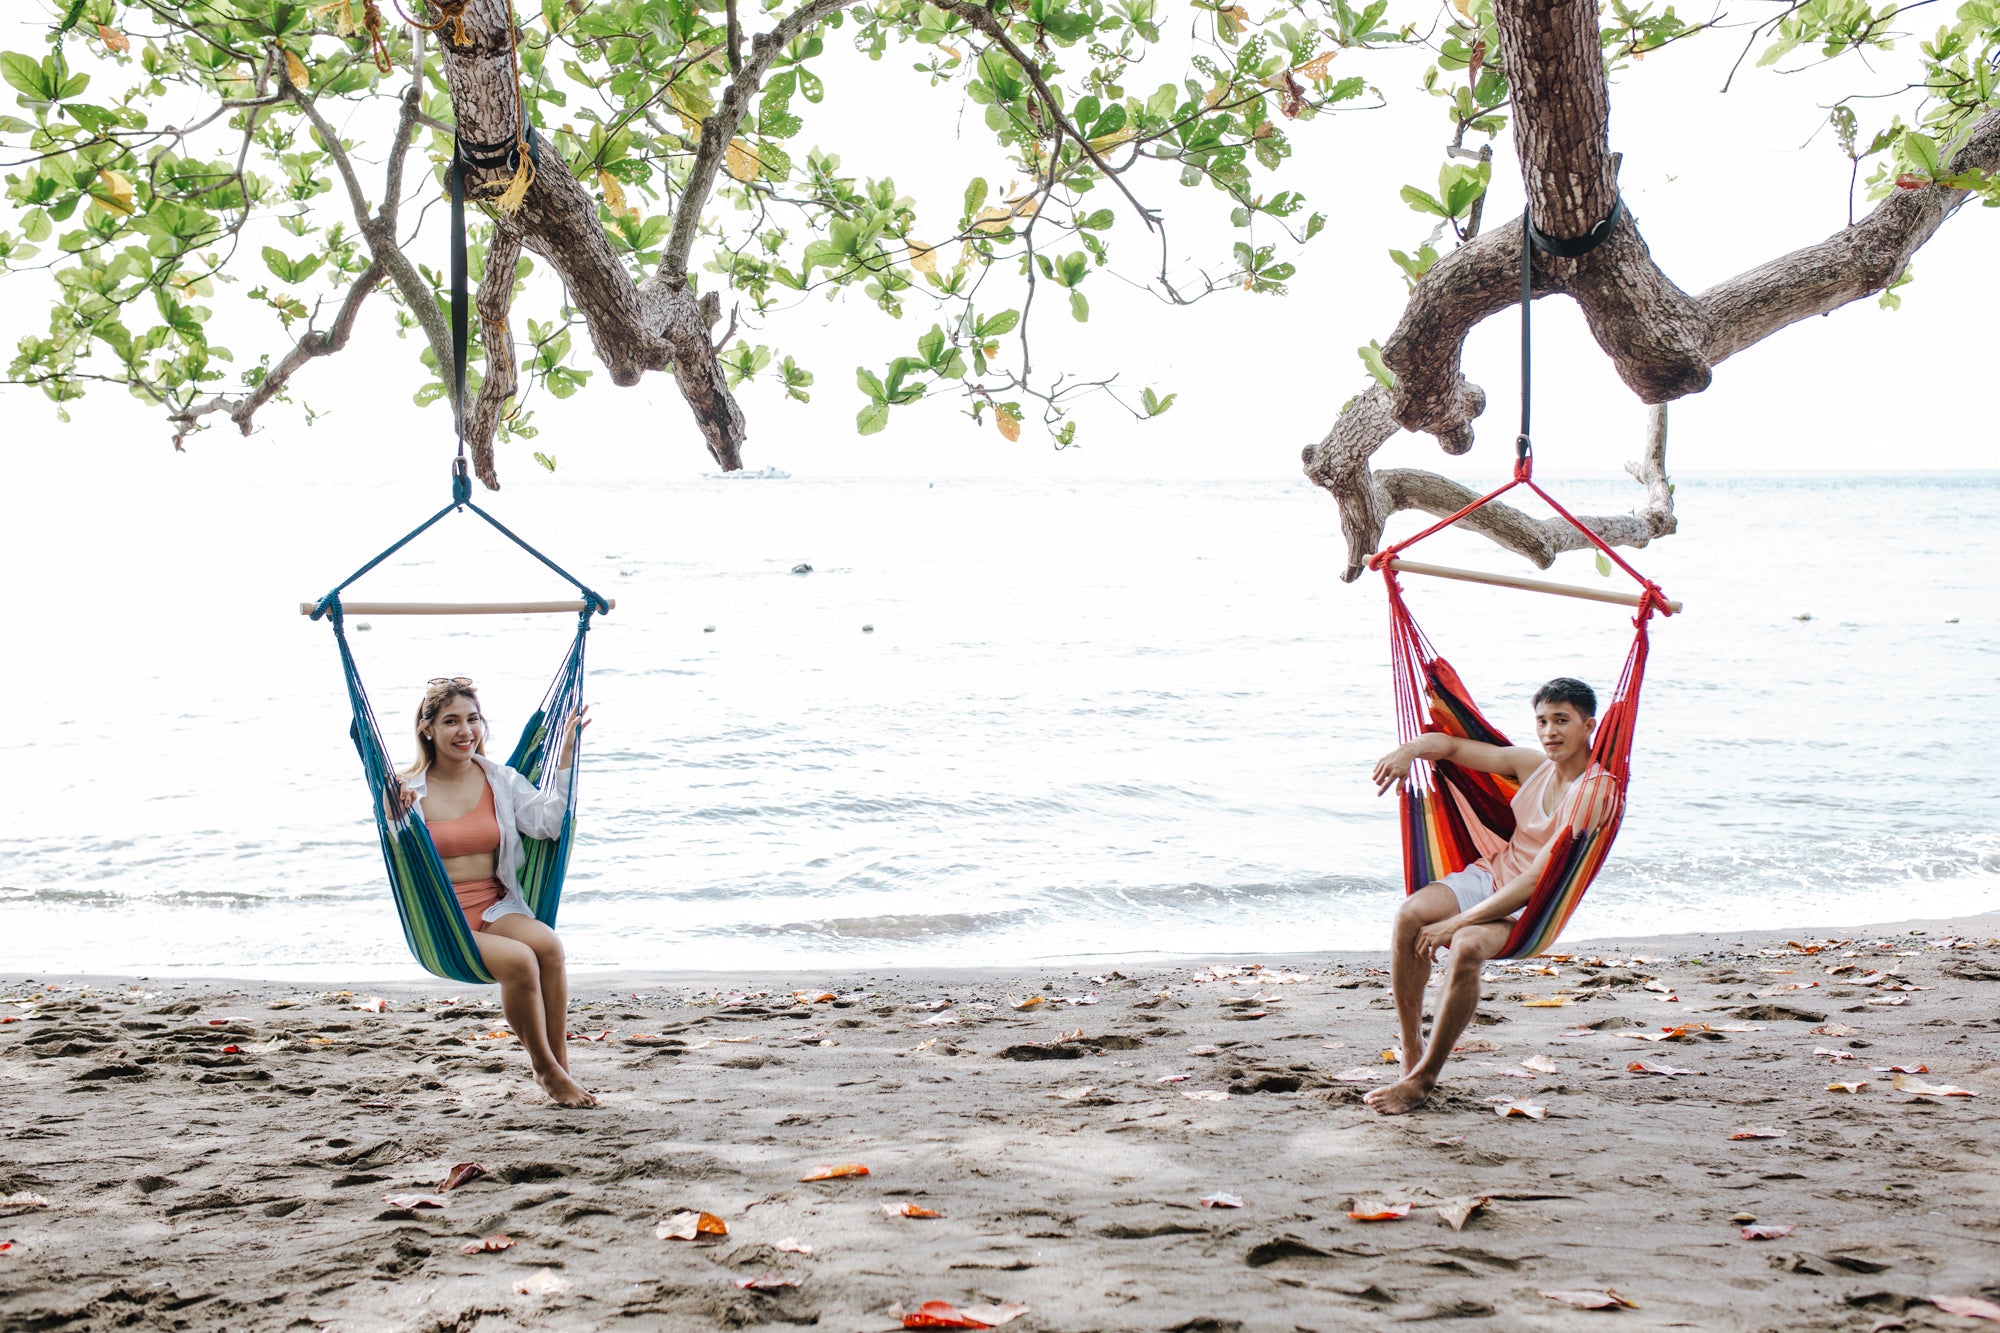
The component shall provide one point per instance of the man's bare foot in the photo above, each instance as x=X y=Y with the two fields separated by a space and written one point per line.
x=565 y=1090
x=1401 y=1097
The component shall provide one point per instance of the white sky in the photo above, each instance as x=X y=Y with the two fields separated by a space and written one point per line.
x=1718 y=184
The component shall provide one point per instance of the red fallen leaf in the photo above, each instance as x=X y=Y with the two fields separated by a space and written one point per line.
x=1650 y=1067
x=373 y=1005
x=10 y=1018
x=586 y=1036
x=495 y=1241
x=768 y=1282
x=1375 y=1210
x=1909 y=180
x=1593 y=1300
x=1504 y=1107
x=412 y=1202
x=840 y=1172
x=687 y=1224
x=1767 y=1232
x=462 y=1174
x=6 y=1245
x=1969 y=1307
x=1221 y=1199
x=1905 y=1083
x=1901 y=1069
x=217 y=1022
x=908 y=1210
x=1757 y=1132
x=232 y=1050
x=943 y=1314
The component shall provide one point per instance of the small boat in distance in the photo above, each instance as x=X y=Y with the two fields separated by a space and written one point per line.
x=751 y=474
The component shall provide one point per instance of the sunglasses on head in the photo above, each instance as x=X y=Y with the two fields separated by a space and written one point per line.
x=449 y=680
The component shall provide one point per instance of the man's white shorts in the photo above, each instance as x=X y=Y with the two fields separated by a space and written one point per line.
x=1472 y=885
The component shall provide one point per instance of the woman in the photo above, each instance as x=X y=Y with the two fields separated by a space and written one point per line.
x=477 y=812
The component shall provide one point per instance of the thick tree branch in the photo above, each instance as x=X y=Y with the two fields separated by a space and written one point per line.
x=496 y=299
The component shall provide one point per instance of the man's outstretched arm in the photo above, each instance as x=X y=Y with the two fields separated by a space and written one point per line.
x=1516 y=761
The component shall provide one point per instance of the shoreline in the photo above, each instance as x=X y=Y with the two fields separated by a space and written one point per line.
x=220 y=1153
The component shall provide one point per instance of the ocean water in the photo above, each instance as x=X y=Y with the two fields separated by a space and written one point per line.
x=1092 y=719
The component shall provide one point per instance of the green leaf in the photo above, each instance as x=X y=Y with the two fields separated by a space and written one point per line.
x=25 y=74
x=1371 y=357
x=993 y=326
x=975 y=196
x=872 y=386
x=1156 y=404
x=1603 y=565
x=932 y=345
x=545 y=460
x=1079 y=307
x=1422 y=202
x=1922 y=150
x=872 y=418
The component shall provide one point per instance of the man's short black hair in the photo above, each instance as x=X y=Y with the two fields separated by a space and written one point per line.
x=1568 y=690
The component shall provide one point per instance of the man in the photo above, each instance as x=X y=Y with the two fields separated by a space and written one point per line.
x=1469 y=912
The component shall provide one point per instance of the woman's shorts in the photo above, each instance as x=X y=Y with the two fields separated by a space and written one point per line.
x=1472 y=886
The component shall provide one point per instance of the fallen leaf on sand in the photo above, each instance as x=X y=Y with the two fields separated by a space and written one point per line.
x=1855 y=1086
x=6 y=1245
x=793 y=1245
x=1832 y=1054
x=1378 y=1210
x=839 y=1172
x=1546 y=1002
x=701 y=1045
x=1072 y=1094
x=232 y=1050
x=1455 y=1211
x=908 y=1210
x=1901 y=1069
x=1174 y=1078
x=1392 y=1056
x=23 y=1201
x=1477 y=1046
x=412 y=1202
x=943 y=1314
x=462 y=1174
x=925 y=1044
x=767 y=1282
x=808 y=997
x=1905 y=1083
x=1660 y=986
x=942 y=1020
x=1504 y=1107
x=372 y=1004
x=1654 y=1067
x=485 y=1243
x=1593 y=1300
x=1221 y=1199
x=1454 y=1141
x=1831 y=1030
x=1541 y=1064
x=1358 y=1074
x=1888 y=999
x=591 y=1036
x=687 y=1224
x=1205 y=1095
x=1767 y=1232
x=545 y=1283
x=1970 y=1307
x=1756 y=1132
x=1025 y=1002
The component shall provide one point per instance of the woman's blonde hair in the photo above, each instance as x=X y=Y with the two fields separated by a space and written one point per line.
x=439 y=693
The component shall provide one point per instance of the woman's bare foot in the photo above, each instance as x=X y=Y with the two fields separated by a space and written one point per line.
x=565 y=1090
x=1403 y=1096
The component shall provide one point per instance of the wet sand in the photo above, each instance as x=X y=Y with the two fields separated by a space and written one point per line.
x=209 y=1155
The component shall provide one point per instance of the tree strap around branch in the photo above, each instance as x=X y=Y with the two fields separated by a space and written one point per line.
x=1531 y=241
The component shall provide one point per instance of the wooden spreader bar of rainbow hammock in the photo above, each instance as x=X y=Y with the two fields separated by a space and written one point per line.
x=457 y=608
x=1515 y=581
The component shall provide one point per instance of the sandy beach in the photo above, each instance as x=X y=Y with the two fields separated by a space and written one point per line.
x=208 y=1155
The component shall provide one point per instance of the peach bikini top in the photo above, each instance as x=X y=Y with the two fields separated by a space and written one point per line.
x=475 y=831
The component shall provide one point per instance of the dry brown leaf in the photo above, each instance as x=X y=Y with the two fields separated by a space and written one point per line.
x=908 y=1210
x=1917 y=1087
x=496 y=1241
x=840 y=1172
x=1756 y=1132
x=462 y=1174
x=614 y=196
x=411 y=1202
x=767 y=1282
x=1028 y=1002
x=1831 y=1030
x=1477 y=1046
x=1541 y=1064
x=1855 y=1086
x=113 y=39
x=1968 y=1307
x=373 y=1005
x=1546 y=1002
x=1593 y=1300
x=1456 y=1211
x=23 y=1200
x=1221 y=1199
x=688 y=1224
x=1007 y=423
x=1653 y=1067
x=295 y=70
x=547 y=1282
x=116 y=197
x=1315 y=69
x=1504 y=1108
x=943 y=1314
x=1900 y=1069
x=739 y=161
x=923 y=258
x=1767 y=1232
x=1378 y=1210
x=793 y=1245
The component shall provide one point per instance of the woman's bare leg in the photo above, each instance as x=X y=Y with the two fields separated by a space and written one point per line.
x=515 y=966
x=549 y=959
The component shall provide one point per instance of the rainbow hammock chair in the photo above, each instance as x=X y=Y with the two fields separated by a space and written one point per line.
x=1452 y=816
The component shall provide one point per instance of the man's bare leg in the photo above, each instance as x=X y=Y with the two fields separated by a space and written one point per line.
x=1409 y=974
x=1470 y=948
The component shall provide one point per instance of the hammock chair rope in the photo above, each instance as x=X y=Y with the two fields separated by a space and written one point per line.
x=433 y=924
x=1452 y=816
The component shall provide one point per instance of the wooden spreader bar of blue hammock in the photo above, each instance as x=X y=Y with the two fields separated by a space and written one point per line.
x=461 y=608
x=1516 y=581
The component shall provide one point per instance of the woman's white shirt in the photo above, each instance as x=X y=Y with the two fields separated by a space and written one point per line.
x=522 y=809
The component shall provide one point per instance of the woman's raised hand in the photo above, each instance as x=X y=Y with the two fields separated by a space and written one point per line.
x=576 y=726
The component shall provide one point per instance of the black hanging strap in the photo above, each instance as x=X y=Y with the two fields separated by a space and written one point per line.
x=1531 y=241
